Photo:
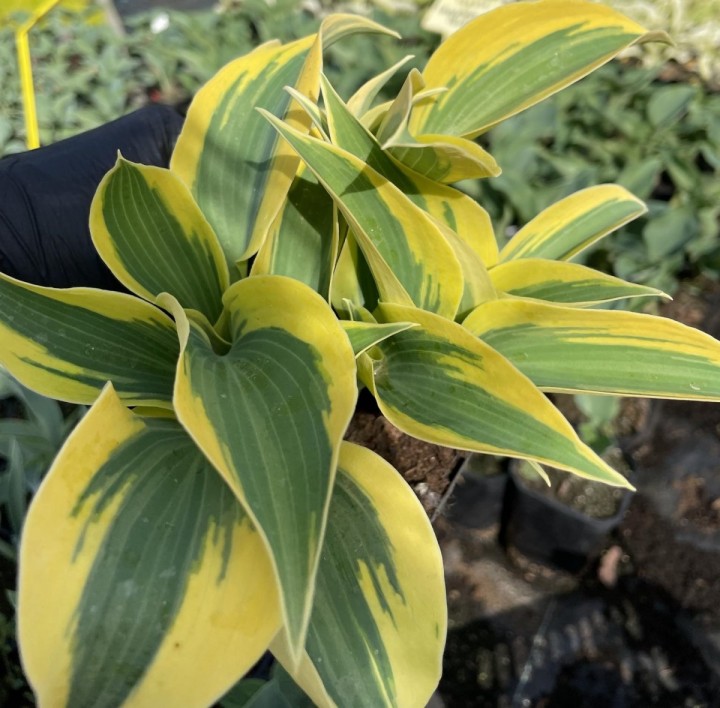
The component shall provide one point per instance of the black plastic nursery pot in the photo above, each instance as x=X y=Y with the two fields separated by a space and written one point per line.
x=479 y=493
x=548 y=531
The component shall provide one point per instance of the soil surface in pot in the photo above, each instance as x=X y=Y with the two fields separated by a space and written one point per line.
x=427 y=468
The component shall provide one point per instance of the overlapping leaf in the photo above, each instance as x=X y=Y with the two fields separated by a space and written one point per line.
x=448 y=206
x=141 y=577
x=378 y=624
x=510 y=58
x=438 y=383
x=407 y=253
x=270 y=415
x=564 y=349
x=303 y=240
x=149 y=231
x=571 y=225
x=67 y=344
x=229 y=156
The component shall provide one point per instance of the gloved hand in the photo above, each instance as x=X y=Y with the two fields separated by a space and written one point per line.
x=45 y=197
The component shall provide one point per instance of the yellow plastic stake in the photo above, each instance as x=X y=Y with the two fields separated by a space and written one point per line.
x=26 y=78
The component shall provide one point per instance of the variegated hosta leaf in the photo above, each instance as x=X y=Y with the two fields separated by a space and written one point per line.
x=410 y=259
x=352 y=279
x=225 y=152
x=438 y=383
x=270 y=415
x=148 y=229
x=443 y=158
x=569 y=226
x=361 y=101
x=510 y=58
x=142 y=580
x=396 y=116
x=67 y=344
x=446 y=205
x=364 y=335
x=228 y=154
x=563 y=349
x=564 y=283
x=303 y=240
x=378 y=624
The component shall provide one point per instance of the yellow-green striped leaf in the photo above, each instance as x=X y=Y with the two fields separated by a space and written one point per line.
x=407 y=253
x=270 y=415
x=229 y=156
x=364 y=335
x=303 y=240
x=510 y=58
x=438 y=383
x=397 y=113
x=571 y=225
x=352 y=279
x=67 y=344
x=564 y=283
x=378 y=625
x=148 y=229
x=443 y=158
x=446 y=205
x=361 y=101
x=226 y=152
x=142 y=580
x=563 y=349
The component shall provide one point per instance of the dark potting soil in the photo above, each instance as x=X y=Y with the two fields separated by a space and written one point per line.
x=427 y=468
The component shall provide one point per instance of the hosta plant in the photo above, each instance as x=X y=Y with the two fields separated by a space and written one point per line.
x=206 y=508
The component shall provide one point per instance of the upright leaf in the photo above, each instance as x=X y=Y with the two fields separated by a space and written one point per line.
x=563 y=349
x=167 y=595
x=508 y=59
x=229 y=156
x=303 y=240
x=151 y=233
x=270 y=415
x=67 y=344
x=378 y=625
x=407 y=253
x=446 y=205
x=438 y=383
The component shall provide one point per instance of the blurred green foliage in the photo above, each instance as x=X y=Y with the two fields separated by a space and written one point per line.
x=87 y=74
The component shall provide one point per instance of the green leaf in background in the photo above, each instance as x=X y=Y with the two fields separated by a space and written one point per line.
x=669 y=232
x=595 y=351
x=668 y=103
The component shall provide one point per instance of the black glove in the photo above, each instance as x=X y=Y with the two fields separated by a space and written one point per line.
x=45 y=197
